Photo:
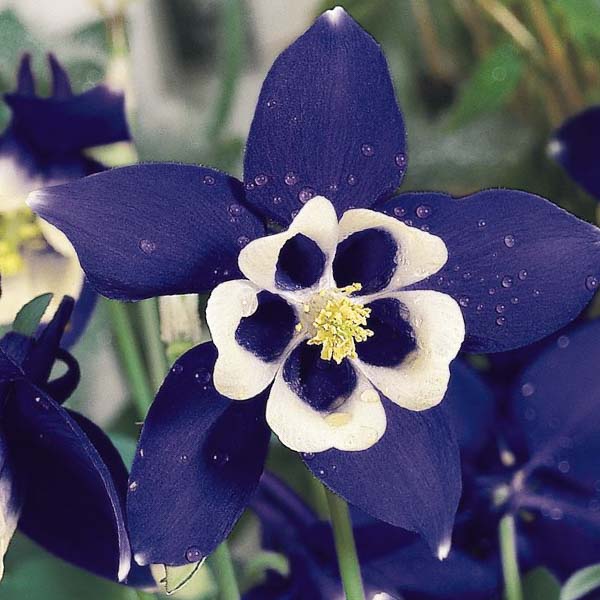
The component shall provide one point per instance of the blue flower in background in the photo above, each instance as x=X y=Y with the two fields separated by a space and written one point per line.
x=62 y=482
x=44 y=144
x=575 y=147
x=337 y=330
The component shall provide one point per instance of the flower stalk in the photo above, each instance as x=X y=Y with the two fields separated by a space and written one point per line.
x=508 y=551
x=345 y=547
x=155 y=351
x=221 y=565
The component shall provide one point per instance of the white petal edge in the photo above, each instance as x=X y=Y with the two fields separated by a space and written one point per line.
x=238 y=374
x=304 y=429
x=10 y=509
x=420 y=254
x=42 y=272
x=421 y=380
x=318 y=221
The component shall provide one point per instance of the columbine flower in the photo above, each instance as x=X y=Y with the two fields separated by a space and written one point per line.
x=347 y=319
x=61 y=480
x=43 y=145
x=575 y=147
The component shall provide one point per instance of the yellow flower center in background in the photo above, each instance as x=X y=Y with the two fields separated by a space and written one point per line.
x=339 y=323
x=19 y=230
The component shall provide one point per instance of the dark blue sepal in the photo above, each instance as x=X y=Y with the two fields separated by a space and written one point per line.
x=512 y=256
x=199 y=459
x=326 y=123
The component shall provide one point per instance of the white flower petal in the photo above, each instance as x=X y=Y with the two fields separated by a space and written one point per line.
x=357 y=424
x=57 y=239
x=421 y=380
x=239 y=374
x=420 y=254
x=42 y=272
x=317 y=220
x=10 y=508
x=15 y=184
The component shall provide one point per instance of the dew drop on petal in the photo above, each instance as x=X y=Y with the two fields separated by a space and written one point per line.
x=352 y=179
x=208 y=180
x=563 y=341
x=479 y=308
x=202 y=376
x=514 y=300
x=177 y=369
x=277 y=199
x=235 y=210
x=464 y=301
x=147 y=246
x=481 y=223
x=399 y=211
x=243 y=241
x=556 y=514
x=591 y=283
x=522 y=275
x=507 y=281
x=527 y=389
x=305 y=194
x=367 y=150
x=133 y=486
x=308 y=455
x=249 y=185
x=193 y=555
x=500 y=308
x=536 y=293
x=271 y=103
x=491 y=291
x=184 y=459
x=400 y=160
x=509 y=240
x=501 y=321
x=564 y=466
x=291 y=178
x=423 y=211
x=261 y=179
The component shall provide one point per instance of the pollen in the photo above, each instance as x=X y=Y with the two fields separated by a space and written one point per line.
x=340 y=323
x=18 y=231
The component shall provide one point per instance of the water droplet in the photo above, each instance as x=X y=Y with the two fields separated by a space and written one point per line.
x=507 y=281
x=501 y=321
x=271 y=103
x=527 y=389
x=514 y=300
x=184 y=459
x=481 y=223
x=294 y=213
x=400 y=160
x=305 y=194
x=141 y=452
x=208 y=180
x=456 y=268
x=536 y=293
x=425 y=227
x=491 y=291
x=479 y=308
x=564 y=466
x=369 y=396
x=261 y=179
x=308 y=455
x=367 y=150
x=467 y=275
x=133 y=486
x=293 y=120
x=556 y=514
x=220 y=458
x=464 y=301
x=177 y=369
x=500 y=308
x=338 y=419
x=522 y=275
x=291 y=178
x=235 y=210
x=352 y=179
x=509 y=241
x=249 y=185
x=408 y=222
x=563 y=341
x=399 y=211
x=333 y=187
x=193 y=555
x=202 y=376
x=591 y=283
x=423 y=211
x=277 y=199
x=147 y=247
x=243 y=240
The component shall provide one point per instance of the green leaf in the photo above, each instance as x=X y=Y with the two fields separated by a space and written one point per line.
x=492 y=84
x=581 y=583
x=126 y=447
x=582 y=19
x=540 y=584
x=29 y=317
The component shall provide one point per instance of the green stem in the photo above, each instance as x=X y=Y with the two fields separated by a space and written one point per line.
x=222 y=567
x=131 y=356
x=233 y=34
x=155 y=351
x=144 y=595
x=510 y=565
x=345 y=547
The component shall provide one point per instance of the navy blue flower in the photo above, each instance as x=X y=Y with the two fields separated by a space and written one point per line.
x=575 y=146
x=61 y=479
x=43 y=145
x=346 y=320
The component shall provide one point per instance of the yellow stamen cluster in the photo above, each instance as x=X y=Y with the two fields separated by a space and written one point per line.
x=18 y=230
x=340 y=324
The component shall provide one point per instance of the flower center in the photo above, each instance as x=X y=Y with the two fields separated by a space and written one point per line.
x=19 y=231
x=337 y=322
